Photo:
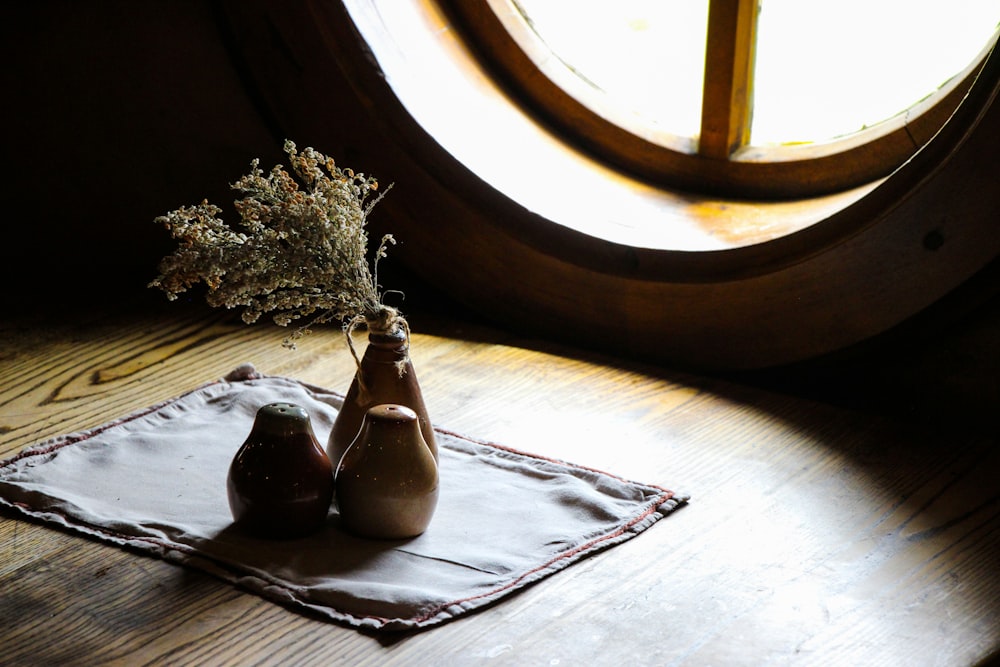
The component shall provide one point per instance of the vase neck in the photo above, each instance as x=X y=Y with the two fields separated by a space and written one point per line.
x=389 y=340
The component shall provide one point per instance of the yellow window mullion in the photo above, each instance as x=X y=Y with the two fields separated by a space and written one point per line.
x=727 y=94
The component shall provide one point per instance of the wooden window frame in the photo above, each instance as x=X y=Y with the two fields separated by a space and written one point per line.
x=727 y=94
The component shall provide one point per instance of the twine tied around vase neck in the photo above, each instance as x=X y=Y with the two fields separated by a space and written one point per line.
x=387 y=320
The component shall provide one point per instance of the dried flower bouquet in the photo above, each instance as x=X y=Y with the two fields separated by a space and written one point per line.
x=299 y=250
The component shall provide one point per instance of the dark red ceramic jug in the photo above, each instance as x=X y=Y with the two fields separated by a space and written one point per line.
x=280 y=481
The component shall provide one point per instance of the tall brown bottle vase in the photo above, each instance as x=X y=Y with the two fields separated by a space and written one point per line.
x=387 y=481
x=379 y=381
x=280 y=482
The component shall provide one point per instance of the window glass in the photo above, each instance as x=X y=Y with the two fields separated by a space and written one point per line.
x=645 y=57
x=828 y=69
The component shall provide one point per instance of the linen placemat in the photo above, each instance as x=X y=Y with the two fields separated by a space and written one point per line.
x=155 y=481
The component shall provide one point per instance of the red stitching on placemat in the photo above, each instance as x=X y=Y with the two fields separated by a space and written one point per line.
x=537 y=457
x=72 y=439
x=569 y=554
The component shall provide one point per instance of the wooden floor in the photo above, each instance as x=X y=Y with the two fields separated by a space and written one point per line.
x=818 y=532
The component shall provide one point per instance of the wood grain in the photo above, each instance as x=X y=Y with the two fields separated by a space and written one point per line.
x=815 y=535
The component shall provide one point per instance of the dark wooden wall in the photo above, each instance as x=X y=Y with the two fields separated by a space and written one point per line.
x=115 y=112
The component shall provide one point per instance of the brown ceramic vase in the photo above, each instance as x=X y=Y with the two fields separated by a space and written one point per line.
x=387 y=481
x=280 y=482
x=378 y=381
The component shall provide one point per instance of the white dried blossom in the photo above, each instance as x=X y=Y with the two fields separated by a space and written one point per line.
x=299 y=249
